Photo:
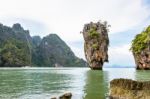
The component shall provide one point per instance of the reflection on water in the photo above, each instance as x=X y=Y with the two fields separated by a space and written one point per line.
x=143 y=75
x=95 y=85
x=43 y=83
x=97 y=82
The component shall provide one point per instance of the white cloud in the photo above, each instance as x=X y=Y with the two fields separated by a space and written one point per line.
x=67 y=17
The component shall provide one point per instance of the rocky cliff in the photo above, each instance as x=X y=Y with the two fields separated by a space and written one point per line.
x=141 y=49
x=18 y=48
x=96 y=44
x=53 y=51
x=129 y=89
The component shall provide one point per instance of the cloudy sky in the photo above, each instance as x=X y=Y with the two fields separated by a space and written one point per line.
x=67 y=17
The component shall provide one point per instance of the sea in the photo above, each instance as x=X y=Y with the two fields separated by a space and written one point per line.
x=45 y=83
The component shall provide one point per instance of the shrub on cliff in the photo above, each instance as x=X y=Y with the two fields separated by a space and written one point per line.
x=141 y=41
x=93 y=32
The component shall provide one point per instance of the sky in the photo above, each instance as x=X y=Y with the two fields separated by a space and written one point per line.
x=66 y=18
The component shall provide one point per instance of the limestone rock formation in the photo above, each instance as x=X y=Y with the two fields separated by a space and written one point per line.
x=18 y=48
x=129 y=89
x=53 y=51
x=141 y=49
x=96 y=44
x=142 y=59
x=15 y=45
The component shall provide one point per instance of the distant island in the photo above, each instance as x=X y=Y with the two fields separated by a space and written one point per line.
x=18 y=49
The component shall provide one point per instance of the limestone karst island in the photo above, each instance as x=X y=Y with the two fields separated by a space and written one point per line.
x=141 y=49
x=74 y=49
x=96 y=43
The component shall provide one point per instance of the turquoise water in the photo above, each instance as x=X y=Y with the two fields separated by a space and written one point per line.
x=43 y=83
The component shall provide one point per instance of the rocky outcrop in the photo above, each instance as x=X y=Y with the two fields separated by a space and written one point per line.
x=129 y=89
x=96 y=44
x=141 y=49
x=64 y=96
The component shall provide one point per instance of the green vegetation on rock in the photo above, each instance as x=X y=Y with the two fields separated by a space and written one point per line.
x=14 y=53
x=141 y=41
x=93 y=33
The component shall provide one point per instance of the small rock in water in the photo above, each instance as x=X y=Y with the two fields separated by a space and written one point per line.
x=66 y=96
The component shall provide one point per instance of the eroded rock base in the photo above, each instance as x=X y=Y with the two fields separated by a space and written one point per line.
x=142 y=60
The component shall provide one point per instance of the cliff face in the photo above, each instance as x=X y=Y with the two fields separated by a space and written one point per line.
x=55 y=52
x=96 y=44
x=142 y=60
x=141 y=49
x=36 y=40
x=129 y=89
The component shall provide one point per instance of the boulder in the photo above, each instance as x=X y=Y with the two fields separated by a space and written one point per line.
x=67 y=95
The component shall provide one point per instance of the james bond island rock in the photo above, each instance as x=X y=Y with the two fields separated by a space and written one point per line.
x=96 y=44
x=141 y=49
x=129 y=89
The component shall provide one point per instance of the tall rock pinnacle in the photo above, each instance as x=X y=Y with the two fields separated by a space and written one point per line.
x=96 y=44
